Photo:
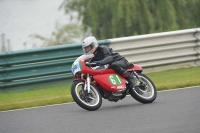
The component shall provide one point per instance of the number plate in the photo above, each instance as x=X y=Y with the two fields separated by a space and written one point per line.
x=75 y=68
x=115 y=79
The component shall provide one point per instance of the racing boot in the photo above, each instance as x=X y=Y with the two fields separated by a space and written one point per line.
x=129 y=77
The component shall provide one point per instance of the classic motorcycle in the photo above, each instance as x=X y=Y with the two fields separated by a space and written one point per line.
x=93 y=82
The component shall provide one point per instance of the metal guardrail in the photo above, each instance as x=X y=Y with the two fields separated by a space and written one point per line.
x=51 y=64
x=161 y=51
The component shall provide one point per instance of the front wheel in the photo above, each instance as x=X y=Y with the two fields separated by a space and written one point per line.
x=144 y=91
x=89 y=101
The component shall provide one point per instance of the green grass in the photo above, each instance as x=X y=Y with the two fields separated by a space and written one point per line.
x=35 y=97
x=178 y=78
x=61 y=94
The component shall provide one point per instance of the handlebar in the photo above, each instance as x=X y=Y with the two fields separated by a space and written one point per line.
x=92 y=64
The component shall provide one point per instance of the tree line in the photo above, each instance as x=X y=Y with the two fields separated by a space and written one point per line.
x=119 y=18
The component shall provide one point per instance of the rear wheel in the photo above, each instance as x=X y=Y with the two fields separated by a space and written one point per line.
x=89 y=101
x=144 y=92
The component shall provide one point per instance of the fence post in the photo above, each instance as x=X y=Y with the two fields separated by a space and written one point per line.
x=197 y=47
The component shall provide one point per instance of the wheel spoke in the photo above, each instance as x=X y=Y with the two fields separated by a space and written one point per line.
x=84 y=97
x=146 y=93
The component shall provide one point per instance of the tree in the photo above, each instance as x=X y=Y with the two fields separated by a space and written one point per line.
x=66 y=34
x=5 y=43
x=118 y=18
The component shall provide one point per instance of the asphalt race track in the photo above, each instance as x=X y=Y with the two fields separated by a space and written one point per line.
x=176 y=111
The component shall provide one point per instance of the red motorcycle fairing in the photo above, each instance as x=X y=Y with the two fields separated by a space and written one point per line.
x=86 y=70
x=111 y=82
x=135 y=68
x=107 y=78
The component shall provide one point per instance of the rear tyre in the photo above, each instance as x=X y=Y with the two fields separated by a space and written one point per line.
x=145 y=93
x=91 y=101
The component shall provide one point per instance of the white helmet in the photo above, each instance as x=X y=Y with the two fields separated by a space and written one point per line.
x=89 y=45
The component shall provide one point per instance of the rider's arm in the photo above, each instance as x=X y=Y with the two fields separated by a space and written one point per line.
x=107 y=56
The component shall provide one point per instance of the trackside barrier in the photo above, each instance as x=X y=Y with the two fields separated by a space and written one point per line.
x=154 y=52
x=29 y=67
x=161 y=51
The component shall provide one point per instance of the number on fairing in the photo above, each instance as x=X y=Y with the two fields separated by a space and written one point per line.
x=112 y=80
x=118 y=79
x=115 y=79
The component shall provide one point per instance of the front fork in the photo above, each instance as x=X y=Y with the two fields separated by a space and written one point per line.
x=141 y=85
x=137 y=76
x=87 y=84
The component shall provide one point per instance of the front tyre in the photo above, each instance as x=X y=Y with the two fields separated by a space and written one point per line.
x=89 y=101
x=145 y=92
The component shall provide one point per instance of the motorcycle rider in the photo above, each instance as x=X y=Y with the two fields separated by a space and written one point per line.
x=105 y=55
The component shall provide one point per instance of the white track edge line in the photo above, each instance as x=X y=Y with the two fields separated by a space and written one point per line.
x=74 y=102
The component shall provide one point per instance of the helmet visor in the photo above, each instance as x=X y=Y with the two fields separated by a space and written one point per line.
x=88 y=49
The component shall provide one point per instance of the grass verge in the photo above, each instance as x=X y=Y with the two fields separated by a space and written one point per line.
x=177 y=78
x=169 y=79
x=35 y=97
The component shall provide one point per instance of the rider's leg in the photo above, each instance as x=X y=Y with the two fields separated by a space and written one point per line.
x=129 y=77
x=117 y=67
